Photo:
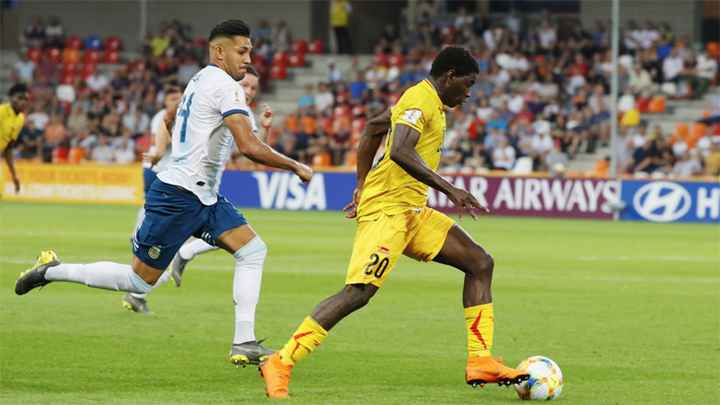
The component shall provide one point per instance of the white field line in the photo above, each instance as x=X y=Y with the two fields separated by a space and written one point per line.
x=661 y=258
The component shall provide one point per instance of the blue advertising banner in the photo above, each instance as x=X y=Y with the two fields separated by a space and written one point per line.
x=670 y=201
x=285 y=191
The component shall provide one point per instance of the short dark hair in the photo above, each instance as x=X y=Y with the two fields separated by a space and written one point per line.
x=173 y=88
x=251 y=69
x=229 y=29
x=456 y=58
x=18 y=88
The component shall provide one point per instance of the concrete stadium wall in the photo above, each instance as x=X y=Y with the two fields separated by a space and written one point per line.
x=122 y=17
x=681 y=14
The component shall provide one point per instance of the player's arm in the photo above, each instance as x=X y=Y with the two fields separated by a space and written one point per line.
x=404 y=154
x=258 y=151
x=8 y=155
x=376 y=128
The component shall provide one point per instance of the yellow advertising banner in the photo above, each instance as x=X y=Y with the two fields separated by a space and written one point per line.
x=84 y=183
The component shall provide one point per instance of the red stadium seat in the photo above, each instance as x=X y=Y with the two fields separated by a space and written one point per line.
x=316 y=47
x=88 y=70
x=60 y=154
x=73 y=42
x=300 y=46
x=281 y=59
x=397 y=60
x=91 y=57
x=278 y=72
x=53 y=55
x=71 y=56
x=111 y=57
x=297 y=60
x=34 y=54
x=70 y=68
x=381 y=59
x=112 y=44
x=67 y=77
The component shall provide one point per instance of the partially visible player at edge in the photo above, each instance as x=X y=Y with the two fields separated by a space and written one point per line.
x=393 y=219
x=193 y=247
x=184 y=200
x=12 y=119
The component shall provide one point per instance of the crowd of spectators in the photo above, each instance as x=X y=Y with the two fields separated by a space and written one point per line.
x=85 y=109
x=542 y=97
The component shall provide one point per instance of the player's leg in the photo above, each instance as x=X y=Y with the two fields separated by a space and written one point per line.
x=187 y=252
x=462 y=252
x=378 y=244
x=172 y=215
x=229 y=230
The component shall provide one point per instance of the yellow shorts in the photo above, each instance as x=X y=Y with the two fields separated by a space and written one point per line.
x=418 y=233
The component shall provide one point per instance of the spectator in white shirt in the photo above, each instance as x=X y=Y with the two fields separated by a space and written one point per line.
x=324 y=97
x=706 y=70
x=97 y=81
x=672 y=66
x=547 y=36
x=24 y=69
x=102 y=152
x=503 y=155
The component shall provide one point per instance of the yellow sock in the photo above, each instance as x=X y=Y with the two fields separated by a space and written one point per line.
x=480 y=322
x=306 y=338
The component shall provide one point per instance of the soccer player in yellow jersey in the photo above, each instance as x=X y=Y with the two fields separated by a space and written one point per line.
x=390 y=204
x=12 y=119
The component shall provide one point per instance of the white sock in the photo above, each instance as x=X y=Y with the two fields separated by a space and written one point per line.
x=164 y=277
x=195 y=247
x=107 y=275
x=249 y=261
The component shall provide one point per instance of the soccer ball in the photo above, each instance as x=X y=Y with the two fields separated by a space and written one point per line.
x=545 y=382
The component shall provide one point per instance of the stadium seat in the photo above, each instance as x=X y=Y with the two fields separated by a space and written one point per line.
x=351 y=158
x=76 y=155
x=88 y=70
x=713 y=49
x=523 y=165
x=60 y=154
x=93 y=42
x=697 y=131
x=71 y=56
x=112 y=43
x=111 y=57
x=73 y=42
x=297 y=60
x=53 y=55
x=381 y=59
x=602 y=168
x=643 y=104
x=34 y=54
x=397 y=60
x=300 y=46
x=316 y=47
x=278 y=73
x=322 y=159
x=91 y=57
x=280 y=59
x=657 y=105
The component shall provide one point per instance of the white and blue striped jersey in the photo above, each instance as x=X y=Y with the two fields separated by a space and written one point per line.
x=201 y=143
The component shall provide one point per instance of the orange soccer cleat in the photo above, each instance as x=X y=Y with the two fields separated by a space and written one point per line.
x=486 y=369
x=276 y=376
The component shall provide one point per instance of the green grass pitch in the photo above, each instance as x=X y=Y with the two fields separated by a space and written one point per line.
x=630 y=311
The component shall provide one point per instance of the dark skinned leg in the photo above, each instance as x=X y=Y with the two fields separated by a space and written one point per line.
x=351 y=298
x=461 y=251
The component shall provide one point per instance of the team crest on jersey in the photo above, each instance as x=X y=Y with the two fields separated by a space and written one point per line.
x=154 y=252
x=412 y=116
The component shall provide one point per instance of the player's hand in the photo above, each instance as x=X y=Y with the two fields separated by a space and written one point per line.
x=304 y=172
x=151 y=158
x=16 y=182
x=351 y=208
x=466 y=202
x=266 y=117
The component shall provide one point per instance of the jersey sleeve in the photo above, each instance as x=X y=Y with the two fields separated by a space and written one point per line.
x=157 y=121
x=231 y=100
x=412 y=110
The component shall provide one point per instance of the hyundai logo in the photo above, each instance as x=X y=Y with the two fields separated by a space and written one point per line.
x=662 y=201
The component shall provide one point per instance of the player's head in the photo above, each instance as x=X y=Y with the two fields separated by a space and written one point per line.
x=454 y=71
x=173 y=93
x=250 y=83
x=230 y=47
x=19 y=97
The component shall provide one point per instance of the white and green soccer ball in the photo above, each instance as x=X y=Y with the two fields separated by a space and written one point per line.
x=545 y=382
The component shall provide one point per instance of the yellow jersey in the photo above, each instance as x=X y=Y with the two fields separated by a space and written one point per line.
x=388 y=188
x=339 y=14
x=10 y=125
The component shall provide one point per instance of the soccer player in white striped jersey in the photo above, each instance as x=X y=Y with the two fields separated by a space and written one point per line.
x=184 y=200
